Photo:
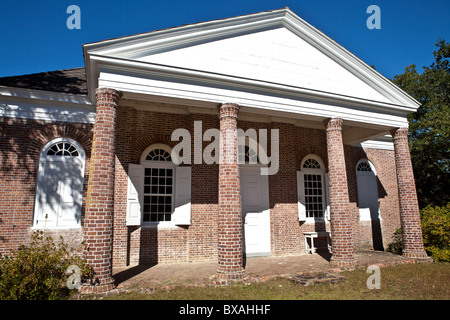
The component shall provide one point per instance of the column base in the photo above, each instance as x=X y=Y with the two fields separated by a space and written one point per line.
x=347 y=263
x=106 y=286
x=228 y=277
x=420 y=255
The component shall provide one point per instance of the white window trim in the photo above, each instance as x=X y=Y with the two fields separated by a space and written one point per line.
x=325 y=192
x=144 y=154
x=43 y=157
x=182 y=220
x=148 y=164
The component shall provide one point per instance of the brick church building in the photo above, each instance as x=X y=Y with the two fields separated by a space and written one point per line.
x=89 y=153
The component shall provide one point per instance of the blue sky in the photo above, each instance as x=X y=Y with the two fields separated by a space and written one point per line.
x=34 y=36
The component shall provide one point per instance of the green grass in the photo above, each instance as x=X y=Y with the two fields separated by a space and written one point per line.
x=403 y=282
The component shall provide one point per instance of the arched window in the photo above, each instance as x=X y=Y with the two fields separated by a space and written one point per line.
x=312 y=188
x=59 y=187
x=158 y=154
x=158 y=189
x=363 y=166
x=63 y=148
x=311 y=163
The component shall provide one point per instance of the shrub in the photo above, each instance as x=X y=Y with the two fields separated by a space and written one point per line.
x=38 y=271
x=436 y=231
x=396 y=246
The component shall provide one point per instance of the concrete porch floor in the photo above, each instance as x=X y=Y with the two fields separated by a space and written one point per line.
x=147 y=278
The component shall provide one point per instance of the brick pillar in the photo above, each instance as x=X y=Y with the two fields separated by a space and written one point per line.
x=340 y=215
x=409 y=207
x=98 y=221
x=230 y=241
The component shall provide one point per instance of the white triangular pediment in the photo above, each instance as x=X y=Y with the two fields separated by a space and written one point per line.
x=276 y=56
x=273 y=52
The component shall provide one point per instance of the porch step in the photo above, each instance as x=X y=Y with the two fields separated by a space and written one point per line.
x=309 y=279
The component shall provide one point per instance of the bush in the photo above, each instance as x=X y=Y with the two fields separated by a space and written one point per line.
x=396 y=246
x=38 y=271
x=436 y=231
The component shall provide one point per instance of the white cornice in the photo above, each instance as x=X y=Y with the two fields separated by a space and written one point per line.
x=22 y=93
x=45 y=105
x=175 y=73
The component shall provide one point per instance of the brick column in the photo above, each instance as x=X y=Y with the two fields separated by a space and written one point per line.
x=340 y=215
x=98 y=221
x=409 y=207
x=230 y=241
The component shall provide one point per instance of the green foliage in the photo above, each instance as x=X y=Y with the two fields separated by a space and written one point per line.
x=38 y=271
x=430 y=126
x=436 y=231
x=396 y=246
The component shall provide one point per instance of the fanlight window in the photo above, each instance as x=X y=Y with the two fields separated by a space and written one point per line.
x=363 y=167
x=63 y=149
x=158 y=155
x=311 y=164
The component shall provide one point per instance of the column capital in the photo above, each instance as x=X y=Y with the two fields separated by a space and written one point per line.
x=105 y=93
x=228 y=110
x=399 y=133
x=333 y=123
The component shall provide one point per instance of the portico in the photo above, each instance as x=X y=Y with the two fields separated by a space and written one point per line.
x=148 y=85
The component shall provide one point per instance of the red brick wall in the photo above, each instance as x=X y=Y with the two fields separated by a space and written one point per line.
x=137 y=130
x=285 y=227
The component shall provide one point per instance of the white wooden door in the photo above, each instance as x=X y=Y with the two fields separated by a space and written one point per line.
x=255 y=211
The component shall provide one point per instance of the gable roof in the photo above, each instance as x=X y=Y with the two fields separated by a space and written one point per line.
x=174 y=51
x=71 y=81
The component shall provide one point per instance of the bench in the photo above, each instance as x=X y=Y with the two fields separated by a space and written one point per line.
x=316 y=234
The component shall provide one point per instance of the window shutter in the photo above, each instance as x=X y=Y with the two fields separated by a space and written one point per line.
x=327 y=197
x=134 y=194
x=182 y=212
x=301 y=196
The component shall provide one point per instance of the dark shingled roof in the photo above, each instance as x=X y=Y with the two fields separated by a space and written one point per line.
x=71 y=81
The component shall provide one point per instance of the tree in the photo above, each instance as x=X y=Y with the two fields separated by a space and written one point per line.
x=429 y=127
